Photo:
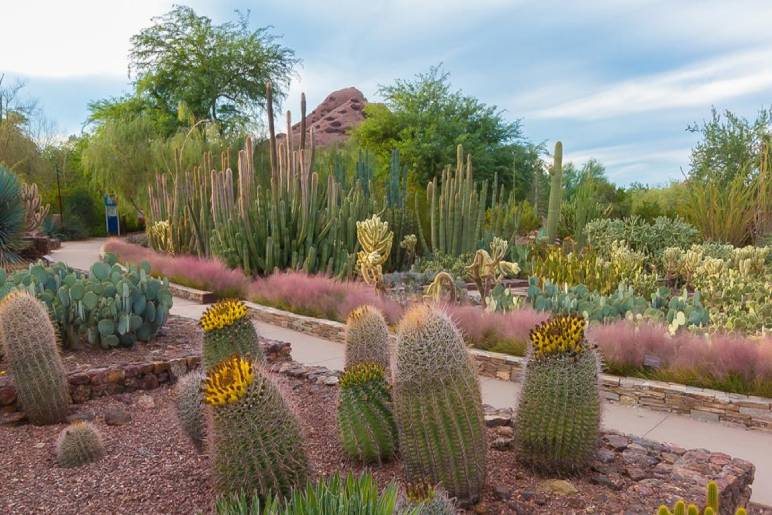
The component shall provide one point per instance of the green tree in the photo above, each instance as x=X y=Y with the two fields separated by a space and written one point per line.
x=425 y=119
x=218 y=72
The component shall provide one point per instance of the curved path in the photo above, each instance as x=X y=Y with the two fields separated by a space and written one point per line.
x=754 y=446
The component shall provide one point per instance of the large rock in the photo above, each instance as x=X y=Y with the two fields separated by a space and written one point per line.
x=333 y=119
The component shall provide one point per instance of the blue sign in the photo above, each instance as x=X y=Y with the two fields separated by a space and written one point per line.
x=112 y=223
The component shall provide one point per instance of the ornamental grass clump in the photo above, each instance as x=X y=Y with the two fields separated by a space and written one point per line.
x=558 y=418
x=254 y=438
x=228 y=330
x=367 y=337
x=438 y=405
x=78 y=444
x=366 y=424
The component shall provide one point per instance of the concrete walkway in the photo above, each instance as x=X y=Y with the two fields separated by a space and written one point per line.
x=754 y=446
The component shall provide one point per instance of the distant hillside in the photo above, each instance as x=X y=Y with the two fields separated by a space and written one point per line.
x=333 y=119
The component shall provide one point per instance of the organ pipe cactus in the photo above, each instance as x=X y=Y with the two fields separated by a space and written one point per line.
x=254 y=438
x=32 y=353
x=78 y=444
x=228 y=330
x=556 y=192
x=558 y=417
x=376 y=239
x=365 y=419
x=367 y=337
x=438 y=405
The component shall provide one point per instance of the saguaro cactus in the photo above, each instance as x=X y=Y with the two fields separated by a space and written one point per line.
x=556 y=192
x=558 y=418
x=438 y=405
x=254 y=438
x=30 y=346
x=228 y=330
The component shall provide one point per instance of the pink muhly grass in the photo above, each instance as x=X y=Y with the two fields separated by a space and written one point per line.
x=318 y=295
x=732 y=354
x=487 y=330
x=622 y=344
x=205 y=274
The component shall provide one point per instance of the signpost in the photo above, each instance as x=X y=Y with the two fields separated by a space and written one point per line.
x=111 y=216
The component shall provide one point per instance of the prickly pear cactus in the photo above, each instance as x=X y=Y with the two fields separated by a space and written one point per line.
x=558 y=418
x=438 y=405
x=30 y=347
x=228 y=330
x=254 y=438
x=190 y=407
x=367 y=337
x=366 y=424
x=78 y=444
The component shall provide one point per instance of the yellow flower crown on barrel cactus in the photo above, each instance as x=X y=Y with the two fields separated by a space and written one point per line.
x=558 y=335
x=228 y=382
x=222 y=314
x=362 y=373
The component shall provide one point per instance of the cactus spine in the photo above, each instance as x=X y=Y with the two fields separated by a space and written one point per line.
x=228 y=330
x=367 y=337
x=254 y=438
x=78 y=444
x=365 y=419
x=190 y=407
x=556 y=192
x=558 y=418
x=30 y=347
x=438 y=405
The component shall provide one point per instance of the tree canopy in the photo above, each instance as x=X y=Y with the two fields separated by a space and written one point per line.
x=425 y=119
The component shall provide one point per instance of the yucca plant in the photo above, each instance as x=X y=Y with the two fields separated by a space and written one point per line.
x=13 y=217
x=351 y=495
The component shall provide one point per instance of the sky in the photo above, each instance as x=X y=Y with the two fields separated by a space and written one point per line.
x=614 y=80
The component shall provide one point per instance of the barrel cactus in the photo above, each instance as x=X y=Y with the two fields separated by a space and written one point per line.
x=32 y=352
x=438 y=405
x=78 y=444
x=367 y=337
x=254 y=438
x=190 y=407
x=365 y=419
x=558 y=417
x=228 y=330
x=422 y=498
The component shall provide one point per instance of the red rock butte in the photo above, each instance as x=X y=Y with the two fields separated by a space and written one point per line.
x=333 y=119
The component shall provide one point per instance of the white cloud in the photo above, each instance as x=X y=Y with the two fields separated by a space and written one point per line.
x=700 y=84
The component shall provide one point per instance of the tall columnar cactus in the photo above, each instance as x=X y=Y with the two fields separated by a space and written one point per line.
x=558 y=417
x=367 y=337
x=30 y=347
x=78 y=444
x=438 y=405
x=190 y=407
x=365 y=419
x=556 y=192
x=254 y=438
x=228 y=330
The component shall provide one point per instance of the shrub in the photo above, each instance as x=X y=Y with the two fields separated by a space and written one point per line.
x=12 y=217
x=30 y=347
x=254 y=439
x=332 y=495
x=558 y=417
x=438 y=405
x=200 y=273
x=78 y=444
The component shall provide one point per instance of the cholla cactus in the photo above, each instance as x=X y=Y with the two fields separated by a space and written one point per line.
x=558 y=418
x=434 y=290
x=367 y=337
x=35 y=211
x=365 y=419
x=190 y=407
x=487 y=269
x=160 y=236
x=78 y=444
x=228 y=330
x=254 y=438
x=438 y=405
x=375 y=239
x=409 y=243
x=32 y=352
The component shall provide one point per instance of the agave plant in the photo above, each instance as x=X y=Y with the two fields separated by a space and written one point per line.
x=12 y=217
